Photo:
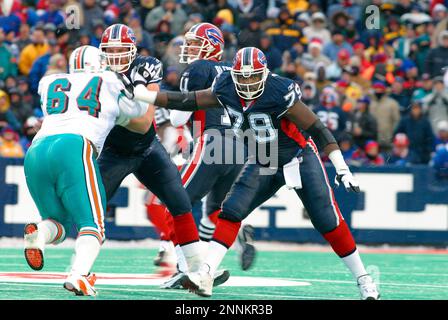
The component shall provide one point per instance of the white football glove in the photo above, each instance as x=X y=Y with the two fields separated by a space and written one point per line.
x=345 y=176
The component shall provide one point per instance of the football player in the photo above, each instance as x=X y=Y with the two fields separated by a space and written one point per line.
x=269 y=108
x=134 y=148
x=202 y=51
x=61 y=171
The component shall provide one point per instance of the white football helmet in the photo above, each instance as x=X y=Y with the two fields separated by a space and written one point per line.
x=87 y=59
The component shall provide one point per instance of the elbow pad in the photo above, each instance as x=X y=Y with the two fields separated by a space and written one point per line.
x=184 y=101
x=321 y=134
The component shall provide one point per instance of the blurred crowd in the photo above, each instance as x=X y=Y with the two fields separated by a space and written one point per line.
x=375 y=77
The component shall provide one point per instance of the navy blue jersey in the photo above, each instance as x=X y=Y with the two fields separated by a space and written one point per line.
x=198 y=76
x=264 y=115
x=334 y=119
x=121 y=139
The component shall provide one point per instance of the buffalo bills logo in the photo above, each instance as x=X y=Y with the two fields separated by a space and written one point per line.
x=131 y=35
x=261 y=58
x=214 y=36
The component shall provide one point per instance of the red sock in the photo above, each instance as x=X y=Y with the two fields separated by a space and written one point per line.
x=341 y=240
x=214 y=216
x=226 y=232
x=170 y=225
x=158 y=216
x=185 y=229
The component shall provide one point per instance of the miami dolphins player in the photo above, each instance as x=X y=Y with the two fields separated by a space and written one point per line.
x=80 y=109
x=269 y=109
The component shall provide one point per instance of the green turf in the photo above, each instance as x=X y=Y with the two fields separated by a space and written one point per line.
x=402 y=276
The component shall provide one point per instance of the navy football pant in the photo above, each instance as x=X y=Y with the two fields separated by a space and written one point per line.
x=154 y=169
x=252 y=189
x=201 y=178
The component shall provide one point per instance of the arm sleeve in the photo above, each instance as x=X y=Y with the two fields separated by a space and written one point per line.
x=130 y=108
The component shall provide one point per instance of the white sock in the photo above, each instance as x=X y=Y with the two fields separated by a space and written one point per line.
x=216 y=253
x=166 y=246
x=86 y=250
x=51 y=231
x=354 y=264
x=192 y=254
x=181 y=262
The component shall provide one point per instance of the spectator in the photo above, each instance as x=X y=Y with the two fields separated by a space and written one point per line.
x=330 y=113
x=440 y=162
x=347 y=147
x=7 y=118
x=171 y=56
x=317 y=29
x=34 y=50
x=337 y=43
x=420 y=49
x=90 y=14
x=424 y=88
x=363 y=126
x=387 y=114
x=321 y=79
x=334 y=70
x=403 y=44
x=398 y=94
x=314 y=55
x=436 y=103
x=10 y=146
x=57 y=64
x=162 y=37
x=309 y=92
x=250 y=36
x=23 y=38
x=168 y=11
x=284 y=32
x=247 y=9
x=441 y=135
x=418 y=129
x=98 y=30
x=401 y=155
x=53 y=14
x=143 y=37
x=8 y=66
x=368 y=155
x=30 y=128
x=273 y=55
x=231 y=42
x=21 y=109
x=40 y=66
x=436 y=58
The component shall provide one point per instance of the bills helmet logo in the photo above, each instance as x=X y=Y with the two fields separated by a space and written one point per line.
x=214 y=36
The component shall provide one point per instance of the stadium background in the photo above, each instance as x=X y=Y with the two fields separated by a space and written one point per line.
x=396 y=68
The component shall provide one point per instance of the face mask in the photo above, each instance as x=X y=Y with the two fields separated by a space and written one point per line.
x=379 y=95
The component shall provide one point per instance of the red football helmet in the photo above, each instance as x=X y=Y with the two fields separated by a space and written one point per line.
x=203 y=41
x=114 y=39
x=249 y=72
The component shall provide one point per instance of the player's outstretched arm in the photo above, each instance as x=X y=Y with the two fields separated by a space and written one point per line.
x=307 y=120
x=183 y=101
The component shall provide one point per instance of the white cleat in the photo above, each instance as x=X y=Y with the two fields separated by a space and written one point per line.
x=367 y=288
x=200 y=283
x=175 y=282
x=34 y=247
x=81 y=285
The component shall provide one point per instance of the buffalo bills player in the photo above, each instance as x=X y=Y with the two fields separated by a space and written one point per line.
x=269 y=108
x=133 y=146
x=202 y=50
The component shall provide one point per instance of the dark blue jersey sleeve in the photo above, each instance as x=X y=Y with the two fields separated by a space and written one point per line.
x=285 y=92
x=223 y=86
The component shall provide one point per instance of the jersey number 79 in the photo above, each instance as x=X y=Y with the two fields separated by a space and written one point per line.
x=88 y=99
